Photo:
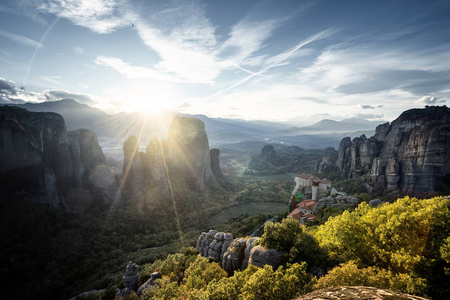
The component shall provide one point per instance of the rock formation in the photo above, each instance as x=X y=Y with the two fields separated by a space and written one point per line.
x=334 y=201
x=266 y=161
x=148 y=283
x=236 y=254
x=130 y=280
x=185 y=153
x=214 y=244
x=188 y=152
x=357 y=293
x=41 y=162
x=260 y=256
x=410 y=154
x=215 y=166
x=133 y=173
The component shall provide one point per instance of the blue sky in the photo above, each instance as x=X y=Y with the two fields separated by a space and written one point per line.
x=298 y=61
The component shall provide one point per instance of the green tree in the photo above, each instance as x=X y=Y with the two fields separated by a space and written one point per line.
x=349 y=274
x=404 y=237
x=201 y=272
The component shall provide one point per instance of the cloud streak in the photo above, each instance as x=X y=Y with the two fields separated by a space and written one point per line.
x=20 y=39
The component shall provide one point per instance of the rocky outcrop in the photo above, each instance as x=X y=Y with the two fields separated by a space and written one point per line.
x=248 y=249
x=86 y=173
x=188 y=152
x=214 y=244
x=410 y=154
x=185 y=153
x=130 y=280
x=133 y=173
x=357 y=293
x=155 y=167
x=260 y=256
x=215 y=166
x=334 y=201
x=234 y=256
x=148 y=283
x=41 y=162
x=266 y=161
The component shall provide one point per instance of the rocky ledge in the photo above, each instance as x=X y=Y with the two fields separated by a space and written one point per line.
x=356 y=292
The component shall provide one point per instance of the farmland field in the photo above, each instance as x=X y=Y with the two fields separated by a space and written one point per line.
x=254 y=208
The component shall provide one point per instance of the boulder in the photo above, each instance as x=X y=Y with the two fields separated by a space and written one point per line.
x=260 y=256
x=234 y=256
x=374 y=202
x=248 y=248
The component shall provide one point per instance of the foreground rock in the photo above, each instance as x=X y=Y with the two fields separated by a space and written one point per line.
x=356 y=292
x=236 y=254
x=410 y=154
x=260 y=256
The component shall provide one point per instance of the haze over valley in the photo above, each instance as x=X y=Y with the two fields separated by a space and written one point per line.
x=224 y=149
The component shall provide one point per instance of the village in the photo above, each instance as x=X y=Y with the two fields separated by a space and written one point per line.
x=307 y=192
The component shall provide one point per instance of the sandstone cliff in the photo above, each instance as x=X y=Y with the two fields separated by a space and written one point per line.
x=188 y=151
x=411 y=154
x=185 y=154
x=41 y=162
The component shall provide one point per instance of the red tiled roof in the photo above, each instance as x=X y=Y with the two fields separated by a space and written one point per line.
x=296 y=214
x=306 y=204
x=310 y=216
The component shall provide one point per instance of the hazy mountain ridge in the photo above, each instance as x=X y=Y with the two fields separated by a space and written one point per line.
x=114 y=129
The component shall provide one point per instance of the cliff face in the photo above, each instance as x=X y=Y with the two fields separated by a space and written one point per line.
x=184 y=154
x=411 y=154
x=188 y=151
x=41 y=163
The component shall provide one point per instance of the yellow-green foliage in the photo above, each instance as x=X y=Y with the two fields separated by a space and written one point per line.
x=201 y=272
x=392 y=236
x=258 y=283
x=205 y=280
x=281 y=235
x=175 y=264
x=163 y=289
x=349 y=274
x=288 y=236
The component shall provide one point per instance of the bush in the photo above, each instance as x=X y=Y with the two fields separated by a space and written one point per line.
x=349 y=274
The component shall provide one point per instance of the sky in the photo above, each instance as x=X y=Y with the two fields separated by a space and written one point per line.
x=295 y=61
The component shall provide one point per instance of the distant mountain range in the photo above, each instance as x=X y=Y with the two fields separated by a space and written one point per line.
x=115 y=129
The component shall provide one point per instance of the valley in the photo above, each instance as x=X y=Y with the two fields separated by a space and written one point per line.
x=102 y=207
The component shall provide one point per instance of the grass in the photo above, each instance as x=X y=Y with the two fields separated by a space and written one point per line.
x=255 y=208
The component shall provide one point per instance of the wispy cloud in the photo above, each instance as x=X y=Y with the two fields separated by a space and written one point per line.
x=132 y=71
x=101 y=16
x=427 y=100
x=52 y=79
x=280 y=59
x=21 y=39
x=366 y=106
